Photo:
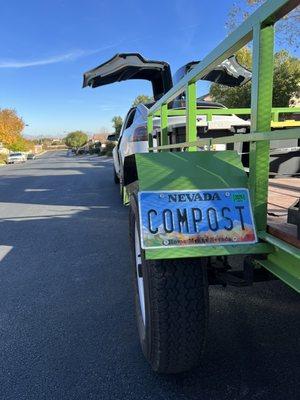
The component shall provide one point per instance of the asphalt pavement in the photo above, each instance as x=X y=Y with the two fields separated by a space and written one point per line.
x=67 y=325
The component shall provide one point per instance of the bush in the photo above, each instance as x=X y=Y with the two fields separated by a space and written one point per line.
x=109 y=148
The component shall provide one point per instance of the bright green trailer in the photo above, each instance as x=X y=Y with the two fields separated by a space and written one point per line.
x=171 y=281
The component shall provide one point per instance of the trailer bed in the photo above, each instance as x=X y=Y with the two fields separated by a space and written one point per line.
x=283 y=193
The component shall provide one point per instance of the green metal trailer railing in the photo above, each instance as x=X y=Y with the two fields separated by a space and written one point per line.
x=276 y=120
x=282 y=259
x=209 y=112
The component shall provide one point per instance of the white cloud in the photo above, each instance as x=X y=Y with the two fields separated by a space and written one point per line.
x=43 y=61
x=70 y=56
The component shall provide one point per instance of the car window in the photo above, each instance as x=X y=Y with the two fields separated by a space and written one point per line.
x=130 y=118
x=112 y=137
x=141 y=113
x=128 y=122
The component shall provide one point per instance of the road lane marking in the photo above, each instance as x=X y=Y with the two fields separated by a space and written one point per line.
x=37 y=190
x=4 y=250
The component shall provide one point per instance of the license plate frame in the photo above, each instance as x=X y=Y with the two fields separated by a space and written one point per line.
x=205 y=199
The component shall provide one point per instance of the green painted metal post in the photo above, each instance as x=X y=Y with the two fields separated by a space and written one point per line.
x=261 y=105
x=150 y=130
x=191 y=114
x=209 y=116
x=164 y=124
x=275 y=116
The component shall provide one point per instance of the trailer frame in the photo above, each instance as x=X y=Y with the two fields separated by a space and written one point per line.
x=281 y=259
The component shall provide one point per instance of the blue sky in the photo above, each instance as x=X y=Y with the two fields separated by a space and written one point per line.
x=47 y=45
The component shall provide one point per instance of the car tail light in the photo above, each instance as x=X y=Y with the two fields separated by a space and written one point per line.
x=140 y=134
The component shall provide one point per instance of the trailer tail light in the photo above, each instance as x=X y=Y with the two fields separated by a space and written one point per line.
x=140 y=134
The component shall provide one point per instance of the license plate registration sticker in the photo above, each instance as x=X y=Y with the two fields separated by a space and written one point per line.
x=196 y=217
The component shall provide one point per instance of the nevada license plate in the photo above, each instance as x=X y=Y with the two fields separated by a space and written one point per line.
x=196 y=217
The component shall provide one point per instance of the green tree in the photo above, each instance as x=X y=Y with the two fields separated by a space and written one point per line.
x=142 y=99
x=76 y=139
x=21 y=144
x=285 y=84
x=117 y=124
x=286 y=78
x=287 y=28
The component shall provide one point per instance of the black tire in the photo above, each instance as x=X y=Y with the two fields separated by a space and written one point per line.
x=116 y=178
x=176 y=308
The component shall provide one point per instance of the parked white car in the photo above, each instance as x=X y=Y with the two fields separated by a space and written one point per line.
x=133 y=136
x=16 y=158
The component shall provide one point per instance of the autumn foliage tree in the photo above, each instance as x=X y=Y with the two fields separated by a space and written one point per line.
x=11 y=127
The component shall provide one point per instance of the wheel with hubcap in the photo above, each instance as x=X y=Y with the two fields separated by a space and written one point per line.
x=171 y=301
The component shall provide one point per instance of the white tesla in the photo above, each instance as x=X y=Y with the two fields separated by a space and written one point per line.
x=133 y=136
